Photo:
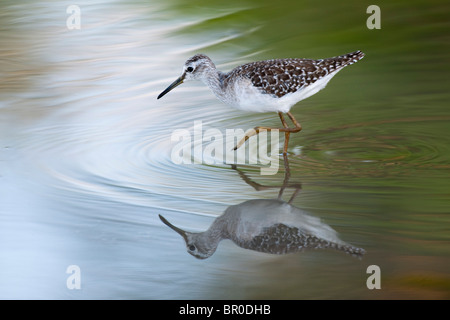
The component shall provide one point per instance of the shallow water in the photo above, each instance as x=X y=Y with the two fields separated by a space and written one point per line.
x=86 y=162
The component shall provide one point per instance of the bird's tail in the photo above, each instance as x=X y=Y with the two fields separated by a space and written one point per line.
x=318 y=243
x=339 y=246
x=350 y=58
x=349 y=249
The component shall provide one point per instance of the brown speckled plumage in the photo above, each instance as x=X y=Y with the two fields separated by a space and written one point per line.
x=265 y=225
x=279 y=77
x=283 y=239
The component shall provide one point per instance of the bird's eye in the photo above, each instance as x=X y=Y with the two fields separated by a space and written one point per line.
x=192 y=247
x=189 y=69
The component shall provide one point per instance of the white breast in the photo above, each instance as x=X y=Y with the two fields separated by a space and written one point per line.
x=249 y=98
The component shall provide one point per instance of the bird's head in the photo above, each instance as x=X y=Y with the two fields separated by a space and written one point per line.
x=196 y=243
x=195 y=68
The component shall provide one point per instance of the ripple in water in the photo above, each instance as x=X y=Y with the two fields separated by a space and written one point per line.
x=376 y=149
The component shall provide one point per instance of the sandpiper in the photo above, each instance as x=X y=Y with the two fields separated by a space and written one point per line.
x=265 y=225
x=271 y=85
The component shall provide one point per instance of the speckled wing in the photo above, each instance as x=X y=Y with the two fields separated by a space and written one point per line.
x=283 y=239
x=279 y=77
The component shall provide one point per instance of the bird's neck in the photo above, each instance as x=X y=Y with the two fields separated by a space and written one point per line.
x=209 y=239
x=214 y=79
x=217 y=231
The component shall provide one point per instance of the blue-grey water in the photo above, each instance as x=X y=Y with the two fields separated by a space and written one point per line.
x=87 y=164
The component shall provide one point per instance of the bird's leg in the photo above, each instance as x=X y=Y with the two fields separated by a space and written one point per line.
x=283 y=187
x=287 y=174
x=285 y=129
x=298 y=127
x=286 y=134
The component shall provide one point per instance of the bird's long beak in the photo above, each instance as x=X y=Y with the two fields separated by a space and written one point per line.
x=174 y=84
x=176 y=229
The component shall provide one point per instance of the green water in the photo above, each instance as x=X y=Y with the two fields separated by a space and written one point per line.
x=85 y=164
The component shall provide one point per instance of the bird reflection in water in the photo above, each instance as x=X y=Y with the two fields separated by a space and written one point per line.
x=272 y=226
